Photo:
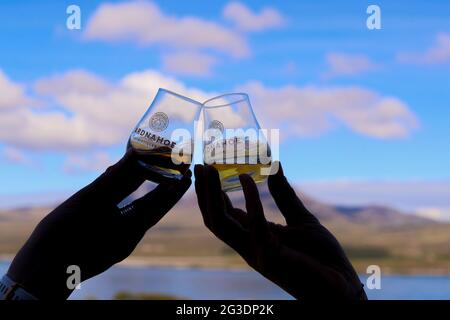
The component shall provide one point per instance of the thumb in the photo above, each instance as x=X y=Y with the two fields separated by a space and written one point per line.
x=258 y=226
x=290 y=205
x=146 y=211
x=118 y=181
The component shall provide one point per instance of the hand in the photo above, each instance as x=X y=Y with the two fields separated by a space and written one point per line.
x=90 y=231
x=303 y=257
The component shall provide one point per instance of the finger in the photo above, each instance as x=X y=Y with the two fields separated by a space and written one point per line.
x=201 y=193
x=235 y=213
x=258 y=225
x=286 y=199
x=118 y=181
x=228 y=203
x=240 y=216
x=146 y=211
x=215 y=204
x=222 y=225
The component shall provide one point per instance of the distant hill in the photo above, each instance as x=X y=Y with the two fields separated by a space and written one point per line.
x=376 y=216
x=396 y=241
x=370 y=215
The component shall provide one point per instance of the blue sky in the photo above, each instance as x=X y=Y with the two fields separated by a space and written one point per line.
x=324 y=46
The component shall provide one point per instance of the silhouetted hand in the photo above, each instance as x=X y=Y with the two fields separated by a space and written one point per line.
x=303 y=257
x=89 y=230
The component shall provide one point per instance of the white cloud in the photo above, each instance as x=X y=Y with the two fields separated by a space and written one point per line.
x=143 y=23
x=189 y=63
x=92 y=111
x=76 y=81
x=347 y=65
x=16 y=156
x=306 y=111
x=86 y=111
x=53 y=130
x=12 y=94
x=438 y=53
x=95 y=162
x=246 y=20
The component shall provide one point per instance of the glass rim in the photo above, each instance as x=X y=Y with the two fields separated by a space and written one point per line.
x=243 y=96
x=179 y=95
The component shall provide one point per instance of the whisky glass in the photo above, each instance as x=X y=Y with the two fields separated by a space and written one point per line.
x=163 y=138
x=233 y=141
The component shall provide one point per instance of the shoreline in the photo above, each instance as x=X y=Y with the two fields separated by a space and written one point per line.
x=208 y=262
x=220 y=263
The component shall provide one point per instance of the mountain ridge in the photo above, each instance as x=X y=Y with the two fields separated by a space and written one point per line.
x=377 y=215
